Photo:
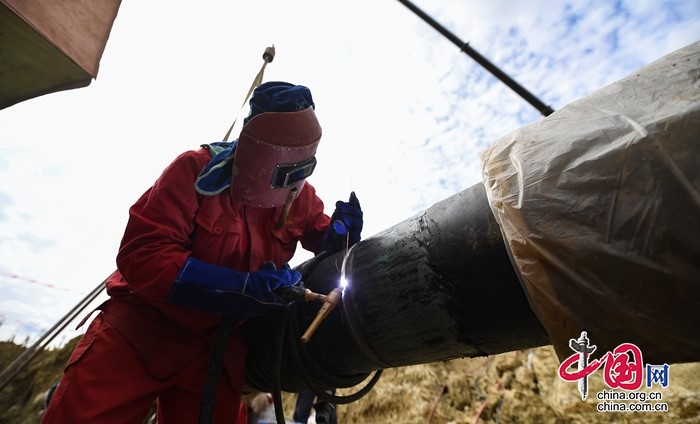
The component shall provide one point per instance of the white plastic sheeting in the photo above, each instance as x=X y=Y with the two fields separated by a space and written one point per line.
x=599 y=205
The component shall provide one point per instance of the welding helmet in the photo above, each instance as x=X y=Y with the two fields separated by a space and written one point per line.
x=277 y=145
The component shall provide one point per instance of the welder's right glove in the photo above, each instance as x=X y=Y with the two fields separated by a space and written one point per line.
x=346 y=225
x=242 y=295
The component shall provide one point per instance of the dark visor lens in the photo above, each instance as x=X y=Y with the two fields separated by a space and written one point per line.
x=289 y=173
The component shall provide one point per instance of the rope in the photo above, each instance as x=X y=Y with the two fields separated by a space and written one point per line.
x=268 y=56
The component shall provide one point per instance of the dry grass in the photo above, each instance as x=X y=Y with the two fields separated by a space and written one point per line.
x=515 y=387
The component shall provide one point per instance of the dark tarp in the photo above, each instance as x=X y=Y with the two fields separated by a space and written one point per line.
x=51 y=45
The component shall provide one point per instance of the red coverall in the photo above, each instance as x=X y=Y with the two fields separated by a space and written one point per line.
x=140 y=346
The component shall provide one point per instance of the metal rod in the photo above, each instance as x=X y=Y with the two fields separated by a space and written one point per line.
x=28 y=355
x=481 y=60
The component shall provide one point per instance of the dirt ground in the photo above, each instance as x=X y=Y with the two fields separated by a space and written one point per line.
x=515 y=387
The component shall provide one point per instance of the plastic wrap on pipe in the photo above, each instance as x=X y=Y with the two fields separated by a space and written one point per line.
x=599 y=205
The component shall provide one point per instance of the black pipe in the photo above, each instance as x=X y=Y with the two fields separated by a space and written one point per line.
x=481 y=60
x=435 y=287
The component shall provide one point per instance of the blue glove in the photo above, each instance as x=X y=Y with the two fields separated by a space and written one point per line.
x=242 y=295
x=345 y=227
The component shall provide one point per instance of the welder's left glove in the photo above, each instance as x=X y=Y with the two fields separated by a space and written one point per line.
x=346 y=225
x=240 y=295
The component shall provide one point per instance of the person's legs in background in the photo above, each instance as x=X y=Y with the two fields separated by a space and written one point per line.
x=325 y=411
x=302 y=409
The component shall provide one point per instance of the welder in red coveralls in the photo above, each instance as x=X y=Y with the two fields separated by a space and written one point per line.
x=210 y=239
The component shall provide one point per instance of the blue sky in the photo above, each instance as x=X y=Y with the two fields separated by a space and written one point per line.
x=404 y=113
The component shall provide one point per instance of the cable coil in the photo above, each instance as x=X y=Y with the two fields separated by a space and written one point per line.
x=298 y=370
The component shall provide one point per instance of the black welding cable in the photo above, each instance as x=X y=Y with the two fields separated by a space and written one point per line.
x=311 y=374
x=315 y=376
x=277 y=374
x=208 y=396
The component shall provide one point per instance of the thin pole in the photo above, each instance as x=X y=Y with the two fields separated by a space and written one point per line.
x=26 y=357
x=481 y=60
